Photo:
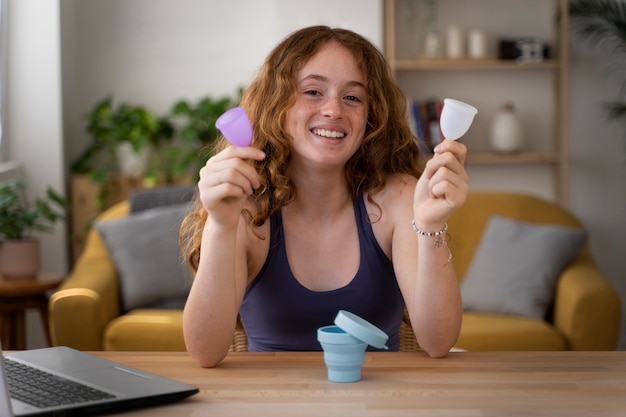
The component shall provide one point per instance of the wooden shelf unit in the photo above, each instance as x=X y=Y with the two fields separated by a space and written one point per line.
x=469 y=64
x=547 y=80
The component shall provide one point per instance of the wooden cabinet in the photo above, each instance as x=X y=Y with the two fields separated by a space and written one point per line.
x=537 y=89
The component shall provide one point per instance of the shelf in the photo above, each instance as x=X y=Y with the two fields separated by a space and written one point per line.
x=470 y=64
x=538 y=89
x=495 y=158
x=501 y=158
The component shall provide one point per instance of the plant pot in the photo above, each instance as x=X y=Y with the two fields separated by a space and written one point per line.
x=130 y=163
x=20 y=259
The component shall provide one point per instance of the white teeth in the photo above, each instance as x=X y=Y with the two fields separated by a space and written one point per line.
x=328 y=133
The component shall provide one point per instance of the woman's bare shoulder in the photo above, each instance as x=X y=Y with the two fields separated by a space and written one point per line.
x=398 y=187
x=401 y=181
x=393 y=207
x=397 y=195
x=254 y=233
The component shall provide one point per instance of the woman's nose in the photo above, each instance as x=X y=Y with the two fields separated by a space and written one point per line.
x=332 y=107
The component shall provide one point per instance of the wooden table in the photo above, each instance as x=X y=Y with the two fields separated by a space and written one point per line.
x=19 y=295
x=467 y=384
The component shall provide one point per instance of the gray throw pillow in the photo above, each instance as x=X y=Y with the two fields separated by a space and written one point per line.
x=166 y=195
x=145 y=250
x=516 y=267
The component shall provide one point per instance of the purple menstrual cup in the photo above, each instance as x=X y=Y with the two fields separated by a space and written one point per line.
x=235 y=127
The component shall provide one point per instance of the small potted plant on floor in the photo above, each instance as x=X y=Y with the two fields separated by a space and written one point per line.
x=19 y=219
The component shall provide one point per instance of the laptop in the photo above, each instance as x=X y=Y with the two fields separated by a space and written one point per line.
x=95 y=385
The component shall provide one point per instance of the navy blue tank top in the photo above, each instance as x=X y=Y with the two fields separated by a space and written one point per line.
x=280 y=314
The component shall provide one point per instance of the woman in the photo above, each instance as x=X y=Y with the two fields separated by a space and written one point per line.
x=316 y=215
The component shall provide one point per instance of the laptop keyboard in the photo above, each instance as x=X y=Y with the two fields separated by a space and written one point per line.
x=42 y=389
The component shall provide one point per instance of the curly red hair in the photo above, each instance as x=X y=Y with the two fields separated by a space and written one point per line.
x=388 y=146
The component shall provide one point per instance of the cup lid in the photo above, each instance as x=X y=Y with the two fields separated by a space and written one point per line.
x=361 y=329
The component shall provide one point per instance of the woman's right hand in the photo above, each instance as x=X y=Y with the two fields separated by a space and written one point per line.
x=226 y=181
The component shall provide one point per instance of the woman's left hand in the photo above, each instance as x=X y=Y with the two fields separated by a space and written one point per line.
x=443 y=186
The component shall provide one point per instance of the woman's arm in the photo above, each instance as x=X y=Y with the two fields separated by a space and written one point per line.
x=423 y=266
x=210 y=314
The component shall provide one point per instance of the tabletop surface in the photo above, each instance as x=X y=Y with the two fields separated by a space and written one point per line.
x=26 y=287
x=463 y=384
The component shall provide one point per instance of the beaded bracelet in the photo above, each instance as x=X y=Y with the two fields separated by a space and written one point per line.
x=429 y=234
x=439 y=241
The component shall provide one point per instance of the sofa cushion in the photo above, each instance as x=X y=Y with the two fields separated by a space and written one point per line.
x=516 y=266
x=146 y=330
x=496 y=332
x=145 y=250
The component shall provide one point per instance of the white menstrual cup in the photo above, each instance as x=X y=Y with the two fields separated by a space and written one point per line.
x=235 y=127
x=456 y=118
x=344 y=345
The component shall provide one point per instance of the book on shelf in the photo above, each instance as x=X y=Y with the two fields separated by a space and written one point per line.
x=424 y=118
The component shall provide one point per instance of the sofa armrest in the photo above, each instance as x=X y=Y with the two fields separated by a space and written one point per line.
x=587 y=308
x=89 y=299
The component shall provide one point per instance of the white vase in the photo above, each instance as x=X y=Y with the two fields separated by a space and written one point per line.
x=506 y=134
x=476 y=44
x=454 y=43
x=130 y=163
x=433 y=47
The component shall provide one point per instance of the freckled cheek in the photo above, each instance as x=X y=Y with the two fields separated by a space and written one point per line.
x=298 y=117
x=360 y=122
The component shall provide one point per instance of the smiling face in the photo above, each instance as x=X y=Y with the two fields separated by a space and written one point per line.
x=328 y=120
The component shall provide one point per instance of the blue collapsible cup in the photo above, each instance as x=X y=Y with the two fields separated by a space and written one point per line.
x=344 y=345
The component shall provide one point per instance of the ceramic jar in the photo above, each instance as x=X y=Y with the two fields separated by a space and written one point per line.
x=433 y=44
x=454 y=43
x=476 y=44
x=506 y=134
x=131 y=163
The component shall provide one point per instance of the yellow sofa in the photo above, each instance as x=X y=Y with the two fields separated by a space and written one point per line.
x=85 y=312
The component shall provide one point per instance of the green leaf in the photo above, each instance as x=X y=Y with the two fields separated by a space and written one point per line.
x=18 y=218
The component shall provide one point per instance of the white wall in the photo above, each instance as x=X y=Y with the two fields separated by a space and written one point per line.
x=34 y=134
x=598 y=161
x=34 y=123
x=158 y=51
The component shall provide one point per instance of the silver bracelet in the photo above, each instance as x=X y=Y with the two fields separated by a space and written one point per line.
x=439 y=241
x=429 y=234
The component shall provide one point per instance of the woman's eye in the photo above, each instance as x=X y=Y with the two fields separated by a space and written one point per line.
x=312 y=92
x=353 y=98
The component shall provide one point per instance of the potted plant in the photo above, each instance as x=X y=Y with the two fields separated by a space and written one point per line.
x=19 y=249
x=126 y=139
x=119 y=133
x=603 y=23
x=197 y=130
